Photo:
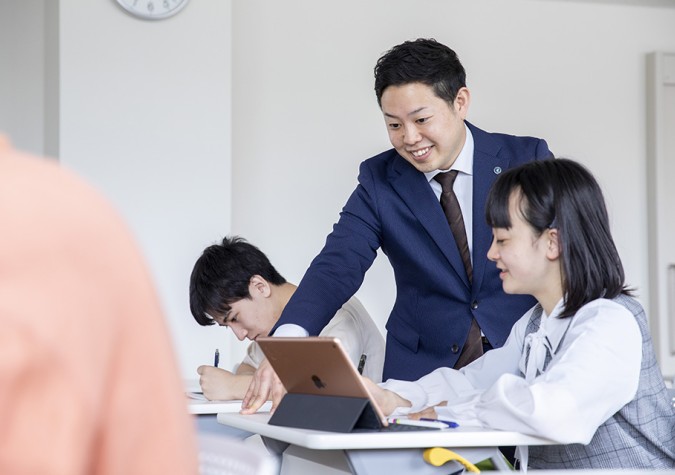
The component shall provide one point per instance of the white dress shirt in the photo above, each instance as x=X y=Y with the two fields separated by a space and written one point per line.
x=593 y=373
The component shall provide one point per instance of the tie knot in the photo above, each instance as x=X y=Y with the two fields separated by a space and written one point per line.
x=446 y=179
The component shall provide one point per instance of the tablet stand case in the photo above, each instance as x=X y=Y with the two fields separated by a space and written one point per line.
x=328 y=413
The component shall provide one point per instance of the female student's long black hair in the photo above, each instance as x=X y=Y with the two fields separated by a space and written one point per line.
x=564 y=195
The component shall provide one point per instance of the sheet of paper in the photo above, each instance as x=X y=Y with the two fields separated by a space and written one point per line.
x=199 y=396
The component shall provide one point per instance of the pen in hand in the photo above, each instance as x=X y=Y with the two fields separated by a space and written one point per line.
x=362 y=363
x=216 y=358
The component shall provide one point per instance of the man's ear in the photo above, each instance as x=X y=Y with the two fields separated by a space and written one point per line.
x=553 y=249
x=259 y=286
x=462 y=101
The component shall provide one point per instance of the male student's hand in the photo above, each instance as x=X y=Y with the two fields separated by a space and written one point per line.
x=264 y=386
x=219 y=384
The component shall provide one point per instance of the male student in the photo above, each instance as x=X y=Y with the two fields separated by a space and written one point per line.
x=89 y=384
x=234 y=284
x=444 y=302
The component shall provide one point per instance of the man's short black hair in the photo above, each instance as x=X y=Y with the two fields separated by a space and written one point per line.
x=222 y=274
x=424 y=61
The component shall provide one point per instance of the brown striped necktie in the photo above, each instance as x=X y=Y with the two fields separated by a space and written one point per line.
x=473 y=348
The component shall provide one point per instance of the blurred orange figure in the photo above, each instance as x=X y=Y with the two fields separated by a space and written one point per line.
x=88 y=379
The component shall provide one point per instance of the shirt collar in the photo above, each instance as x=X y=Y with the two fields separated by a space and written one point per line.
x=556 y=310
x=554 y=328
x=464 y=161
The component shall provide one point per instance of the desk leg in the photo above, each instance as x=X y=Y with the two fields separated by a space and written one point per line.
x=298 y=460
x=209 y=423
x=276 y=448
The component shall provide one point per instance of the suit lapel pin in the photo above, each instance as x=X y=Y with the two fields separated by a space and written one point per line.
x=497 y=170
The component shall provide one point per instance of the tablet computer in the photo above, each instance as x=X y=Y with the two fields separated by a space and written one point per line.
x=325 y=390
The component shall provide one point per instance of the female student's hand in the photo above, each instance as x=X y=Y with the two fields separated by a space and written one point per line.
x=387 y=400
x=219 y=384
x=428 y=413
x=265 y=385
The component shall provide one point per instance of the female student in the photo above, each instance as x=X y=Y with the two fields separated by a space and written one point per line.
x=578 y=368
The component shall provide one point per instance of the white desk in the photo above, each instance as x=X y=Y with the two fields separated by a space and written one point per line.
x=373 y=453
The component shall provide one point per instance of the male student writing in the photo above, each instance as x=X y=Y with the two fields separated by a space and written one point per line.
x=234 y=284
x=444 y=303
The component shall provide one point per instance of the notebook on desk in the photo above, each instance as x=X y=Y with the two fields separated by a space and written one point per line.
x=325 y=391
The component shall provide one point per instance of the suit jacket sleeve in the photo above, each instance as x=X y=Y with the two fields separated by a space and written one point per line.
x=338 y=271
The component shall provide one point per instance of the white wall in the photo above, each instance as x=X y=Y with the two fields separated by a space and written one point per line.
x=252 y=116
x=151 y=102
x=306 y=115
x=22 y=72
x=143 y=111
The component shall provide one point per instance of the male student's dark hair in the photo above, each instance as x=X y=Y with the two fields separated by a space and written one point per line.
x=222 y=274
x=424 y=61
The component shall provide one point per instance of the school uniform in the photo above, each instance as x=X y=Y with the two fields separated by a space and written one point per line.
x=590 y=382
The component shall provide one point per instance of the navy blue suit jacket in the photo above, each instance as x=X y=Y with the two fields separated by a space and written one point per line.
x=394 y=208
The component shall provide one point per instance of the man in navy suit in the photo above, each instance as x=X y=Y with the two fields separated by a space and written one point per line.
x=421 y=89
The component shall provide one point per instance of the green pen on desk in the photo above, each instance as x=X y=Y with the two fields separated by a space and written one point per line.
x=216 y=358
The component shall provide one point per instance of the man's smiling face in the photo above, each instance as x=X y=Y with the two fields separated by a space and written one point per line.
x=424 y=129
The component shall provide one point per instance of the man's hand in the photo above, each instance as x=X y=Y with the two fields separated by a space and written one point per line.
x=264 y=386
x=219 y=384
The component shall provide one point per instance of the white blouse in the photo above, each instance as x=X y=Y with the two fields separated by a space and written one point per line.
x=592 y=374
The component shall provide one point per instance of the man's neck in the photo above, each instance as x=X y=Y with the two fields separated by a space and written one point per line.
x=281 y=294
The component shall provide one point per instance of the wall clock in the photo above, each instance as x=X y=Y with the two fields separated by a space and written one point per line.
x=152 y=9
